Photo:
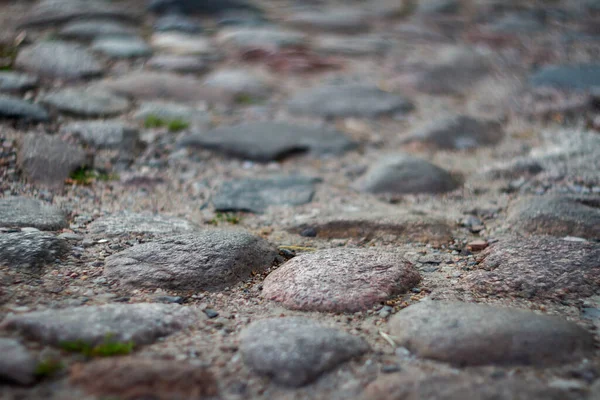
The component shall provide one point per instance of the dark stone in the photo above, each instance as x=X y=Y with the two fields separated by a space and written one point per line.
x=348 y=101
x=20 y=212
x=268 y=141
x=211 y=313
x=210 y=7
x=16 y=82
x=468 y=334
x=16 y=364
x=178 y=23
x=31 y=250
x=207 y=260
x=577 y=77
x=47 y=160
x=255 y=195
x=14 y=107
x=295 y=351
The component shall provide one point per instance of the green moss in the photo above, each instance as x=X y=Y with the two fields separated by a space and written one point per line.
x=225 y=217
x=8 y=54
x=246 y=99
x=173 y=125
x=107 y=348
x=86 y=176
x=49 y=367
x=177 y=125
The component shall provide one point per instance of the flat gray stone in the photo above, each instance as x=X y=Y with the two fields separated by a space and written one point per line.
x=351 y=46
x=340 y=280
x=576 y=77
x=178 y=23
x=432 y=7
x=261 y=37
x=267 y=141
x=54 y=12
x=163 y=86
x=406 y=226
x=239 y=81
x=521 y=23
x=538 y=267
x=342 y=19
x=16 y=364
x=407 y=386
x=121 y=47
x=459 y=132
x=474 y=334
x=207 y=260
x=31 y=250
x=178 y=63
x=14 y=107
x=141 y=323
x=126 y=223
x=182 y=43
x=20 y=212
x=294 y=351
x=103 y=134
x=173 y=111
x=557 y=215
x=47 y=160
x=402 y=174
x=86 y=102
x=348 y=101
x=59 y=60
x=255 y=195
x=15 y=82
x=92 y=29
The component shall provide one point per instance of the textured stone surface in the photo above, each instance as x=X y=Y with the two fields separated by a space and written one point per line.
x=239 y=81
x=103 y=134
x=452 y=387
x=408 y=226
x=16 y=364
x=124 y=223
x=458 y=132
x=59 y=60
x=141 y=323
x=162 y=86
x=121 y=47
x=581 y=77
x=178 y=63
x=92 y=29
x=542 y=267
x=473 y=334
x=207 y=260
x=340 y=280
x=351 y=46
x=18 y=212
x=53 y=12
x=267 y=38
x=154 y=378
x=267 y=141
x=47 y=160
x=294 y=351
x=14 y=107
x=86 y=102
x=401 y=174
x=255 y=195
x=178 y=23
x=348 y=101
x=31 y=250
x=182 y=43
x=16 y=81
x=341 y=19
x=557 y=215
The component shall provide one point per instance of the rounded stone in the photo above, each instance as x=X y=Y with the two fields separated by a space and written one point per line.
x=125 y=223
x=86 y=102
x=121 y=47
x=207 y=260
x=14 y=107
x=16 y=364
x=402 y=174
x=295 y=351
x=474 y=334
x=16 y=82
x=59 y=60
x=340 y=280
x=92 y=29
x=31 y=250
x=20 y=212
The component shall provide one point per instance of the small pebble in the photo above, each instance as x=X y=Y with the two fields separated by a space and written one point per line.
x=211 y=313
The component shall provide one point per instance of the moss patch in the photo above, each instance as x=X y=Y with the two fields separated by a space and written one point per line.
x=48 y=368
x=109 y=347
x=221 y=218
x=173 y=125
x=86 y=176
